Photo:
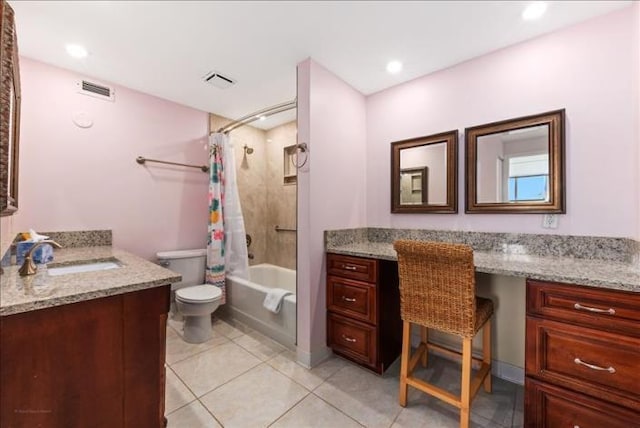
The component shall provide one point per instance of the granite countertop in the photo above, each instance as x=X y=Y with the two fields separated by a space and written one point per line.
x=598 y=273
x=23 y=294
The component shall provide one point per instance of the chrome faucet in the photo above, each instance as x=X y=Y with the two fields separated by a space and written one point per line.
x=28 y=267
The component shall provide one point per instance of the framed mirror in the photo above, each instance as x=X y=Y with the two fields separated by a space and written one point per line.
x=9 y=112
x=424 y=174
x=516 y=166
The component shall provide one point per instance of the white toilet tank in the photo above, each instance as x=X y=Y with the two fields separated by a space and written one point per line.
x=191 y=264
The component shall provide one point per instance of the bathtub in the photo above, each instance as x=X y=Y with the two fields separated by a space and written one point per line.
x=244 y=302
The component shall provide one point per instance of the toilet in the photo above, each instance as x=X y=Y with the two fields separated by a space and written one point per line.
x=191 y=298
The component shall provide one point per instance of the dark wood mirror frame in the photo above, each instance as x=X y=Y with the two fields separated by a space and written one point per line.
x=556 y=204
x=450 y=139
x=9 y=111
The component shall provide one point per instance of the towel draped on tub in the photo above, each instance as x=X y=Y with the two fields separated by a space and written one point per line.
x=273 y=299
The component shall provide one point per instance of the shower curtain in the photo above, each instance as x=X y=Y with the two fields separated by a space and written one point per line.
x=226 y=246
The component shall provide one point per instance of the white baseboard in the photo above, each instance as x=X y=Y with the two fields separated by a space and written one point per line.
x=312 y=359
x=507 y=371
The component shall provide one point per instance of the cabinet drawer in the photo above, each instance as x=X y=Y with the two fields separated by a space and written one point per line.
x=352 y=267
x=600 y=364
x=354 y=299
x=550 y=407
x=610 y=310
x=352 y=338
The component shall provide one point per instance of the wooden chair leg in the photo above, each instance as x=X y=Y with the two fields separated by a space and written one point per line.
x=404 y=361
x=486 y=352
x=465 y=396
x=424 y=338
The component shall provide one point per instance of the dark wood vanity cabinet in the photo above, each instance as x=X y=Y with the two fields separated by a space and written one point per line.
x=582 y=357
x=96 y=363
x=363 y=310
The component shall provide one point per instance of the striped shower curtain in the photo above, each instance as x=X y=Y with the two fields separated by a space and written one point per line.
x=226 y=245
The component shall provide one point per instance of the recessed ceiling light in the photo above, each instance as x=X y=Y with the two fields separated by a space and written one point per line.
x=534 y=11
x=394 y=67
x=262 y=117
x=76 y=51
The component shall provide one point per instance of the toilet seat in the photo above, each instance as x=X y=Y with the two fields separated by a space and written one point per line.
x=199 y=294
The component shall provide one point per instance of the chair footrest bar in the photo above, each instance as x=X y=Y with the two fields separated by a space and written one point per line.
x=416 y=356
x=435 y=391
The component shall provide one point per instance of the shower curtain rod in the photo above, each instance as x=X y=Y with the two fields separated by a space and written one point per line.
x=278 y=108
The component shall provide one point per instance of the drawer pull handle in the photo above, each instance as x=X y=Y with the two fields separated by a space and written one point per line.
x=348 y=299
x=594 y=367
x=348 y=267
x=349 y=339
x=609 y=311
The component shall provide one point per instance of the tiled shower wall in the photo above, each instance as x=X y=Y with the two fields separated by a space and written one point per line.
x=266 y=201
x=281 y=199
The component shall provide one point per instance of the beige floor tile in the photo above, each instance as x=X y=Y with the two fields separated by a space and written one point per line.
x=432 y=414
x=309 y=378
x=210 y=369
x=255 y=399
x=192 y=416
x=313 y=412
x=178 y=349
x=518 y=412
x=259 y=345
x=176 y=393
x=370 y=399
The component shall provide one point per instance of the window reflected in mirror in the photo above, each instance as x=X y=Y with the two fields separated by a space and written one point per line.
x=424 y=174
x=516 y=165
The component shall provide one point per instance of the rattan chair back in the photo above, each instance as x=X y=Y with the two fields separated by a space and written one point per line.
x=437 y=285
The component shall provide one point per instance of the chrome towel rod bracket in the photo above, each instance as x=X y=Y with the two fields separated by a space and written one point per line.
x=141 y=160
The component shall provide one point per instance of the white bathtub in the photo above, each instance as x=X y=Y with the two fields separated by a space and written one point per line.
x=244 y=302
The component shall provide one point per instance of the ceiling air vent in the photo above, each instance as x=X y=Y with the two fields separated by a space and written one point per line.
x=96 y=90
x=218 y=80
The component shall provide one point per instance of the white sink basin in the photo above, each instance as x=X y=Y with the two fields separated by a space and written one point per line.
x=87 y=267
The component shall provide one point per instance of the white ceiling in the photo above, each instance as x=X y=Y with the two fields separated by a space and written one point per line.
x=164 y=48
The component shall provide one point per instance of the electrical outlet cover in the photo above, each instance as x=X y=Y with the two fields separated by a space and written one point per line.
x=550 y=221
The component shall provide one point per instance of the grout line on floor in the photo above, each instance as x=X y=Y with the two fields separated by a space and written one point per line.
x=339 y=410
x=200 y=352
x=183 y=382
x=210 y=412
x=289 y=409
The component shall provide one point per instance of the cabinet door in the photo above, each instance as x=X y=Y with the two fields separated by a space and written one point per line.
x=358 y=268
x=600 y=364
x=355 y=299
x=550 y=407
x=602 y=309
x=145 y=327
x=62 y=366
x=353 y=339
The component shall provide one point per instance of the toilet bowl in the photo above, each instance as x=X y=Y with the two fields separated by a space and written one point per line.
x=196 y=304
x=194 y=301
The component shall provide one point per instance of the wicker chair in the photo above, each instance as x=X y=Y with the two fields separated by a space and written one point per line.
x=437 y=291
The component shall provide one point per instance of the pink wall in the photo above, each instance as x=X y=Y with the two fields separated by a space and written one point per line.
x=636 y=55
x=75 y=179
x=331 y=188
x=590 y=69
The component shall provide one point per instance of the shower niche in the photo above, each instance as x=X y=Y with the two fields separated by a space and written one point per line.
x=290 y=158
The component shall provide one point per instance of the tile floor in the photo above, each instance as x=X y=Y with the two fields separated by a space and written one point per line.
x=240 y=378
